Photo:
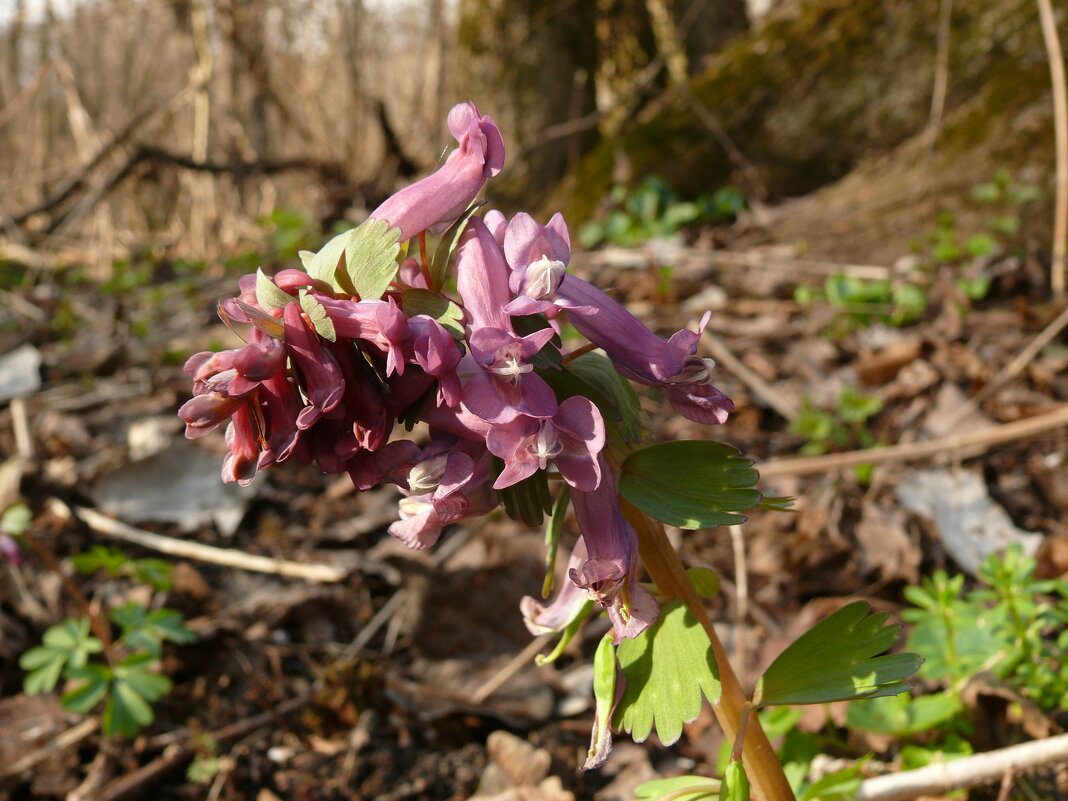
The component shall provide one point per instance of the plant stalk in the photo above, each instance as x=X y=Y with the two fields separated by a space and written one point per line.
x=733 y=711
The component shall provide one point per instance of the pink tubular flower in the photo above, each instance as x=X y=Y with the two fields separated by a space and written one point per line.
x=444 y=195
x=570 y=442
x=609 y=572
x=319 y=373
x=443 y=489
x=379 y=322
x=642 y=356
x=538 y=256
x=482 y=278
x=434 y=349
x=545 y=619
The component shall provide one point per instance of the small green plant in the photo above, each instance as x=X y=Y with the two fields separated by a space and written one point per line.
x=844 y=427
x=862 y=302
x=121 y=673
x=1010 y=624
x=653 y=209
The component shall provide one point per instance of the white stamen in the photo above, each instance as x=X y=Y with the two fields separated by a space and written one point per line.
x=543 y=277
x=426 y=475
x=510 y=368
x=694 y=371
x=545 y=445
x=411 y=507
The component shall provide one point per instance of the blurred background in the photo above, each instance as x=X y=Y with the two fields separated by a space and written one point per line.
x=862 y=192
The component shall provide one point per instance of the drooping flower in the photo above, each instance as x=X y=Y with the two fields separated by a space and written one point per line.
x=444 y=195
x=608 y=575
x=642 y=356
x=538 y=256
x=542 y=618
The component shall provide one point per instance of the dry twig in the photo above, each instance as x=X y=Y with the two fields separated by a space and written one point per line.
x=102 y=524
x=1060 y=129
x=987 y=437
x=972 y=771
x=75 y=734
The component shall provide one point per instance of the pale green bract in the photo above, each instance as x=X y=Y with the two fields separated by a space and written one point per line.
x=361 y=260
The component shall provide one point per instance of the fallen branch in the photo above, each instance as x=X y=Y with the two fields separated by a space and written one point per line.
x=972 y=771
x=102 y=524
x=913 y=451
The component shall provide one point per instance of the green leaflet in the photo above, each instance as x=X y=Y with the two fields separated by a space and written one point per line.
x=439 y=307
x=268 y=295
x=837 y=660
x=593 y=376
x=552 y=537
x=439 y=264
x=320 y=320
x=690 y=484
x=363 y=260
x=669 y=667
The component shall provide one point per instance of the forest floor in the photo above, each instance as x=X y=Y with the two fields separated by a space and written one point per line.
x=376 y=681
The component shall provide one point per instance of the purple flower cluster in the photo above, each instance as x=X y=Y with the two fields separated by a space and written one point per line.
x=330 y=391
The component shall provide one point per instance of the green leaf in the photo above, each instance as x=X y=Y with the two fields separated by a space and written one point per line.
x=439 y=264
x=841 y=785
x=45 y=666
x=320 y=320
x=690 y=484
x=604 y=696
x=669 y=667
x=678 y=788
x=126 y=711
x=366 y=256
x=620 y=402
x=66 y=645
x=268 y=294
x=902 y=715
x=144 y=630
x=705 y=580
x=552 y=537
x=100 y=557
x=16 y=519
x=151 y=686
x=157 y=573
x=82 y=699
x=439 y=307
x=837 y=660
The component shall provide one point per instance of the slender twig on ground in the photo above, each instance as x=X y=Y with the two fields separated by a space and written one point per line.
x=1009 y=371
x=102 y=524
x=761 y=388
x=1060 y=130
x=515 y=664
x=971 y=771
x=985 y=438
x=741 y=596
x=941 y=77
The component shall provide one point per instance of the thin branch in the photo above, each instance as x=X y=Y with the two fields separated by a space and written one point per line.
x=972 y=771
x=941 y=78
x=64 y=740
x=913 y=451
x=1060 y=127
x=102 y=524
x=759 y=387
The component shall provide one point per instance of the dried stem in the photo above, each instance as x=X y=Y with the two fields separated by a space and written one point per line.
x=1060 y=128
x=733 y=708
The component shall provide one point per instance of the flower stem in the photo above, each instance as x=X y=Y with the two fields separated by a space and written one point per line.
x=733 y=711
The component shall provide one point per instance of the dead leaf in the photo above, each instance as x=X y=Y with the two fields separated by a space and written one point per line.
x=885 y=545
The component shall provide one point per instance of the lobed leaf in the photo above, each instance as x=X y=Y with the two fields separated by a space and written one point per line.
x=320 y=320
x=669 y=667
x=679 y=788
x=690 y=484
x=268 y=294
x=837 y=660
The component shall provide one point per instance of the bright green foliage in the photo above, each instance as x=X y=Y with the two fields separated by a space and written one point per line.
x=1011 y=624
x=841 y=785
x=362 y=260
x=605 y=675
x=529 y=500
x=842 y=428
x=902 y=715
x=143 y=630
x=690 y=484
x=679 y=788
x=653 y=209
x=157 y=573
x=863 y=302
x=127 y=687
x=838 y=659
x=66 y=646
x=669 y=667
